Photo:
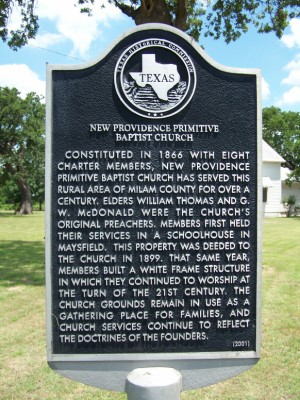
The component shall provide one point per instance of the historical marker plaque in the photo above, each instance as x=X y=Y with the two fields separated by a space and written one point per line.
x=153 y=239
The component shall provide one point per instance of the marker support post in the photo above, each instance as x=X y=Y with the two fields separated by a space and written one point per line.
x=154 y=384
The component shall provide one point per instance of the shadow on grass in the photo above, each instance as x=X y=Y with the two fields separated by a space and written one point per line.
x=22 y=263
x=7 y=214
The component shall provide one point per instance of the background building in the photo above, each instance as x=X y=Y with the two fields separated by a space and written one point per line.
x=275 y=190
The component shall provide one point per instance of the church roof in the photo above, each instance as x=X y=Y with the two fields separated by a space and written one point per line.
x=269 y=154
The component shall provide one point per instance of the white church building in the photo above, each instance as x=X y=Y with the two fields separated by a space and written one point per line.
x=273 y=181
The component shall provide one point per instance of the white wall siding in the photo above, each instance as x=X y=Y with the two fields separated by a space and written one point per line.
x=273 y=206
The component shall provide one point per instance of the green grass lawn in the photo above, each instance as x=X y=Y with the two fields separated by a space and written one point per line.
x=24 y=373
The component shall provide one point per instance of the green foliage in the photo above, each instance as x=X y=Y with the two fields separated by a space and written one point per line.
x=231 y=18
x=22 y=142
x=10 y=195
x=281 y=130
x=288 y=203
x=28 y=26
x=215 y=18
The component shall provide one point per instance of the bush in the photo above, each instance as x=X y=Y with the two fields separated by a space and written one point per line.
x=288 y=203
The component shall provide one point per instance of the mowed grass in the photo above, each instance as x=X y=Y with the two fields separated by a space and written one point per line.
x=24 y=373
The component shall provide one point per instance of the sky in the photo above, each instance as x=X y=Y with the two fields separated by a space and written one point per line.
x=68 y=37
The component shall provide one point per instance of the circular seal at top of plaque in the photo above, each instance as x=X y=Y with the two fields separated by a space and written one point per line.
x=155 y=78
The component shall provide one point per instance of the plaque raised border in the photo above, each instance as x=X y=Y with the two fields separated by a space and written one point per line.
x=109 y=371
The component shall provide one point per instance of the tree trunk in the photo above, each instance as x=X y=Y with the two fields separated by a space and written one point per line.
x=181 y=15
x=150 y=11
x=156 y=11
x=26 y=202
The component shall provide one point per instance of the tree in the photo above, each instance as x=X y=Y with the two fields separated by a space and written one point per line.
x=281 y=130
x=22 y=142
x=10 y=196
x=29 y=22
x=215 y=18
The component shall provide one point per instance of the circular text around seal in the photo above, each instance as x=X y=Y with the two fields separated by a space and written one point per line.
x=155 y=78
